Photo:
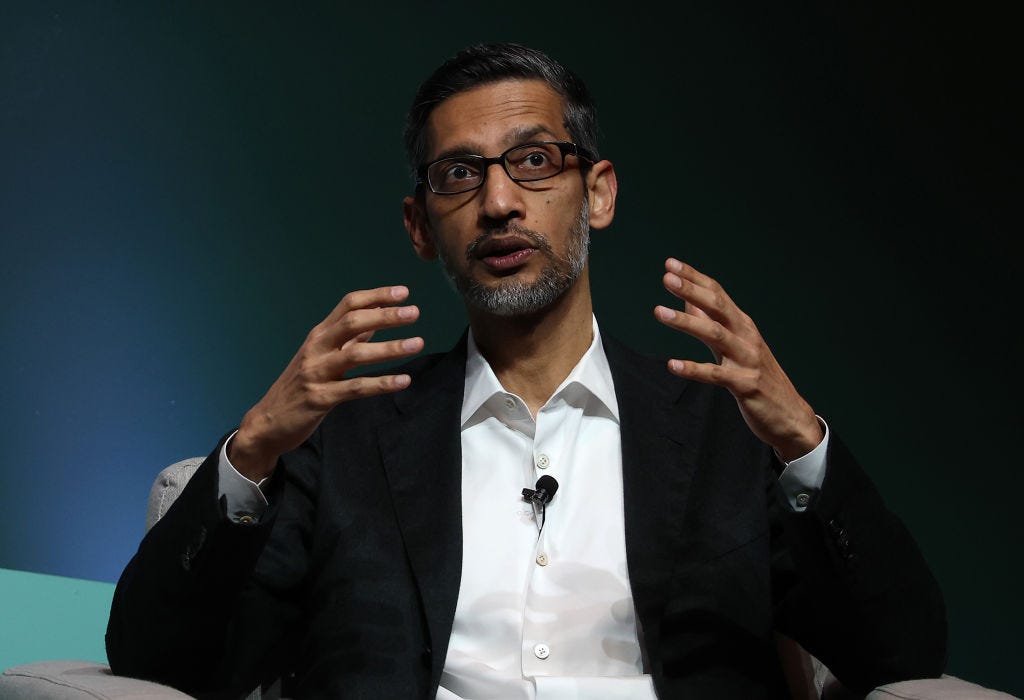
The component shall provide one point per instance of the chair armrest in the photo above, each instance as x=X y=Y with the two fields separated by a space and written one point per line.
x=945 y=688
x=78 y=680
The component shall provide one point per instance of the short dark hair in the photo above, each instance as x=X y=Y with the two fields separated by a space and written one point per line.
x=481 y=64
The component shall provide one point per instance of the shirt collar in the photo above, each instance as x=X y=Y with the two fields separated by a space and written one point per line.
x=591 y=374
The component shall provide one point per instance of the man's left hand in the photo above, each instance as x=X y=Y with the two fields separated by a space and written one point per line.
x=744 y=365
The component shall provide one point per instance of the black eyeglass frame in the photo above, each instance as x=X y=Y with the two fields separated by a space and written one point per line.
x=567 y=148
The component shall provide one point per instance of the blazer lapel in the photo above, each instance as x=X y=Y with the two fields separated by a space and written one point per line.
x=422 y=455
x=658 y=463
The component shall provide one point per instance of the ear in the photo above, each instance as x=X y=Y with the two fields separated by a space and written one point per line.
x=415 y=217
x=602 y=189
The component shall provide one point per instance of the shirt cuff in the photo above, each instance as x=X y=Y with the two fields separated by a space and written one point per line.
x=802 y=477
x=245 y=501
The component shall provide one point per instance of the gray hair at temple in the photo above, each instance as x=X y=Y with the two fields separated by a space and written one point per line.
x=481 y=64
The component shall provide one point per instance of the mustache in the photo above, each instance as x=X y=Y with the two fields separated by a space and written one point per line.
x=537 y=239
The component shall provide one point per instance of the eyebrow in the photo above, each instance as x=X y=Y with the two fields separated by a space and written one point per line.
x=517 y=136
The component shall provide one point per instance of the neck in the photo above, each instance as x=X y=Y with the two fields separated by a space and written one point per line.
x=532 y=354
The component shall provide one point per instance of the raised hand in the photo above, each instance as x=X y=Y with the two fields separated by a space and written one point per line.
x=744 y=365
x=314 y=381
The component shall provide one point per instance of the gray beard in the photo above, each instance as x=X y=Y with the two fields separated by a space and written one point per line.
x=513 y=297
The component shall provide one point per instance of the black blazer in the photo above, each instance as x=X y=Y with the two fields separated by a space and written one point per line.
x=348 y=586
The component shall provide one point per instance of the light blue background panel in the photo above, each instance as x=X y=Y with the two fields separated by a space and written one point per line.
x=47 y=617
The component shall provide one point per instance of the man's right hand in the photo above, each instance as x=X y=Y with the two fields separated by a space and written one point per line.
x=314 y=381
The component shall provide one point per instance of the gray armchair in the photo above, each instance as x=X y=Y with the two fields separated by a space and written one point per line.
x=81 y=680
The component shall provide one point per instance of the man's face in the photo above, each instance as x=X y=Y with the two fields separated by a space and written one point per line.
x=510 y=248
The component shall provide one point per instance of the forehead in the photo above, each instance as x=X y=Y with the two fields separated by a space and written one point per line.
x=495 y=116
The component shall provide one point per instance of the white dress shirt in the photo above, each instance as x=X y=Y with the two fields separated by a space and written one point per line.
x=548 y=615
x=542 y=613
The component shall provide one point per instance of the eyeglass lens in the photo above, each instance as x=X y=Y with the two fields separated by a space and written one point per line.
x=534 y=161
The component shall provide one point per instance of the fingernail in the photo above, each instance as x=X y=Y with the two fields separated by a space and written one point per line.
x=665 y=313
x=406 y=312
x=402 y=381
x=398 y=292
x=410 y=344
x=674 y=265
x=675 y=365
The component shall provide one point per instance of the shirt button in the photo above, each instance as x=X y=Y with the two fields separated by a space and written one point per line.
x=802 y=499
x=543 y=462
x=542 y=559
x=510 y=403
x=541 y=651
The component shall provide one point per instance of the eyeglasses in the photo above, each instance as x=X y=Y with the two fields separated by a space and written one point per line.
x=526 y=163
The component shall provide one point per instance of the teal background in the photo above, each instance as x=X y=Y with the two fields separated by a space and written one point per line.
x=55 y=618
x=186 y=188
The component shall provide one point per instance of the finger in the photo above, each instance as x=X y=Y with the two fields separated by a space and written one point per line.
x=316 y=370
x=358 y=354
x=719 y=339
x=368 y=299
x=361 y=338
x=678 y=267
x=362 y=387
x=712 y=300
x=359 y=322
x=325 y=334
x=737 y=381
x=689 y=308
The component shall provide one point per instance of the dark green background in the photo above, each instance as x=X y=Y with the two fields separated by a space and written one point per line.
x=187 y=188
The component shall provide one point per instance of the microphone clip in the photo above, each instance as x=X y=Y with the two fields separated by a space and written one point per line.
x=540 y=497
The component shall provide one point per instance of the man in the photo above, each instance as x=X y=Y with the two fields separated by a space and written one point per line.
x=369 y=537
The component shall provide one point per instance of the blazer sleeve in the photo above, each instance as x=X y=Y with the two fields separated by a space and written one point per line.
x=206 y=605
x=852 y=585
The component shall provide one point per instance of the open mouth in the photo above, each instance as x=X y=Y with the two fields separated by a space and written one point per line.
x=504 y=253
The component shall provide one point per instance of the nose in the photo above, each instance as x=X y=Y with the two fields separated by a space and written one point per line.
x=502 y=197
